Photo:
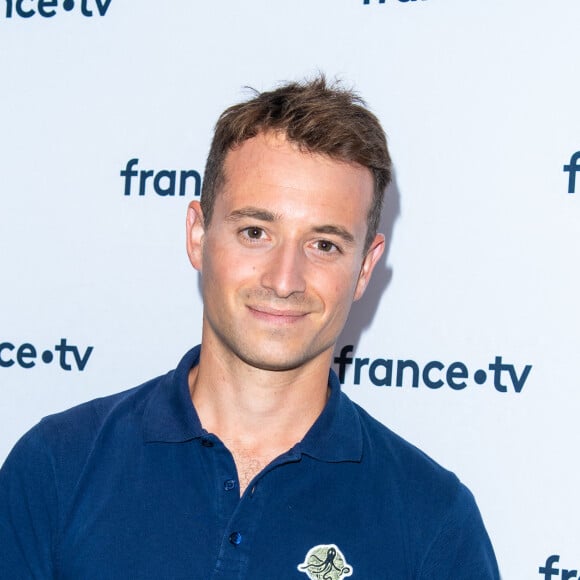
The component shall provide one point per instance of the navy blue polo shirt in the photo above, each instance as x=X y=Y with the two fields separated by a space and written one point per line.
x=132 y=486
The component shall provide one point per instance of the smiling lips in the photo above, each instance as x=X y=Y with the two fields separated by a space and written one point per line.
x=275 y=315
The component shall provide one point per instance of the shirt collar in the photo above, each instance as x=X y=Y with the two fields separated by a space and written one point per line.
x=169 y=414
x=337 y=434
x=170 y=417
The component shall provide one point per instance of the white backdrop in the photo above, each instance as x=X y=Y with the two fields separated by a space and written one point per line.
x=480 y=103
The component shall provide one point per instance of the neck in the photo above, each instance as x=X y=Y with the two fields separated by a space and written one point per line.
x=256 y=407
x=257 y=414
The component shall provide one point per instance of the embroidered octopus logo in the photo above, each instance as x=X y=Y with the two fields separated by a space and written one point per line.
x=325 y=562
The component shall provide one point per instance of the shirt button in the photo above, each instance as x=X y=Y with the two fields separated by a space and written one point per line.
x=235 y=538
x=229 y=484
x=207 y=442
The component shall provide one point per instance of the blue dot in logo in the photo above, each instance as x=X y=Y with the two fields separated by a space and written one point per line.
x=47 y=356
x=68 y=5
x=480 y=377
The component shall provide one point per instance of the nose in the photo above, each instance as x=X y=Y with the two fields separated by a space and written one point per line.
x=284 y=273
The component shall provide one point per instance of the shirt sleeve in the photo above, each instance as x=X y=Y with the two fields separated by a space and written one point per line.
x=461 y=549
x=28 y=511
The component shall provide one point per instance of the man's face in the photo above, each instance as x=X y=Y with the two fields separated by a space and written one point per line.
x=282 y=259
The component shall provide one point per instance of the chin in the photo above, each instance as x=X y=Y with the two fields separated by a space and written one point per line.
x=286 y=360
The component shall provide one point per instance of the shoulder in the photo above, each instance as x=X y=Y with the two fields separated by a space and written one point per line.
x=442 y=522
x=87 y=419
x=68 y=436
x=103 y=429
x=386 y=445
x=415 y=481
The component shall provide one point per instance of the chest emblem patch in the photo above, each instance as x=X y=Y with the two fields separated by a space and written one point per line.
x=325 y=562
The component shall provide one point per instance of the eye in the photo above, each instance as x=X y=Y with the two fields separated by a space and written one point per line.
x=326 y=246
x=253 y=233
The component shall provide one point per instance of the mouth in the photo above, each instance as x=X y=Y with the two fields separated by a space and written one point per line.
x=277 y=315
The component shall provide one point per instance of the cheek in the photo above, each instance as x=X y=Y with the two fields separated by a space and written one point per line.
x=224 y=270
x=336 y=289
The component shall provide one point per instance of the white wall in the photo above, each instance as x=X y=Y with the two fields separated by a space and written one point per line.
x=480 y=103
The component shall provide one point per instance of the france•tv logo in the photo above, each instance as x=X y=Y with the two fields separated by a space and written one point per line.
x=381 y=372
x=49 y=8
x=549 y=571
x=68 y=356
x=165 y=182
x=572 y=168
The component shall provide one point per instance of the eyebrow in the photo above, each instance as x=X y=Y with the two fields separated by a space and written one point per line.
x=268 y=216
x=339 y=231
x=252 y=212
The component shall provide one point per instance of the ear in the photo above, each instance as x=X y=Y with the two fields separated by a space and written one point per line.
x=371 y=259
x=195 y=230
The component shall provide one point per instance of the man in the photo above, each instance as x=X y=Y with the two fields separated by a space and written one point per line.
x=247 y=461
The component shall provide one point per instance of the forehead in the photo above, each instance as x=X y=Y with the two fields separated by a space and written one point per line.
x=269 y=171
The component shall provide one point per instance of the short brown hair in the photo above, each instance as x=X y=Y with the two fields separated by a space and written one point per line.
x=319 y=118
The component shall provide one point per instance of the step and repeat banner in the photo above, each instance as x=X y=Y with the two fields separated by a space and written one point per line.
x=468 y=340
